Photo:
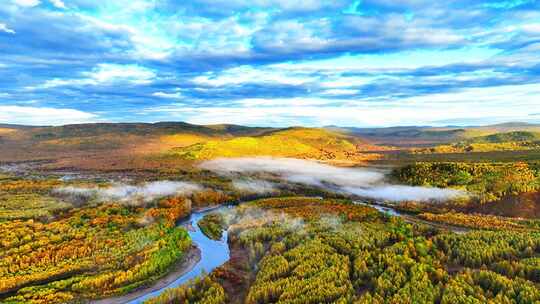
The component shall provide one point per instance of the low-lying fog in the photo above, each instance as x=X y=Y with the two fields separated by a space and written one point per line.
x=129 y=193
x=363 y=182
x=255 y=186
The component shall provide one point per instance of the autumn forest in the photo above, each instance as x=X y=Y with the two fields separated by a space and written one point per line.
x=338 y=218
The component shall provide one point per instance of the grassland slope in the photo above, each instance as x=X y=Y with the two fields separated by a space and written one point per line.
x=292 y=142
x=505 y=141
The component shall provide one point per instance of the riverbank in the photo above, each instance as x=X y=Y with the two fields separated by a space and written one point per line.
x=214 y=253
x=191 y=259
x=411 y=218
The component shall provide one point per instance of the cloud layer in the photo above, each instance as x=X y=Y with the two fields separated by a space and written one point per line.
x=128 y=194
x=42 y=116
x=254 y=186
x=358 y=181
x=356 y=63
x=296 y=170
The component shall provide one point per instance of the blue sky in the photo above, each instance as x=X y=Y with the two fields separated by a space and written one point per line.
x=270 y=62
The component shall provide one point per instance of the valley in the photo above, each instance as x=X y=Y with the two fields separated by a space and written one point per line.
x=230 y=214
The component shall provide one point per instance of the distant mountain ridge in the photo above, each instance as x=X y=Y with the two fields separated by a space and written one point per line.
x=137 y=128
x=178 y=144
x=388 y=135
x=174 y=142
x=414 y=135
x=514 y=136
x=180 y=124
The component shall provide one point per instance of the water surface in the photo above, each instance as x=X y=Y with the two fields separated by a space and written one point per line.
x=213 y=254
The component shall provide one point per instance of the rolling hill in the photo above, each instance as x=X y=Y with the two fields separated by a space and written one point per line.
x=428 y=136
x=169 y=144
x=108 y=145
x=515 y=136
x=309 y=143
x=508 y=141
x=166 y=145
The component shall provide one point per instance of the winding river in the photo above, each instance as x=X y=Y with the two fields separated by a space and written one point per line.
x=382 y=209
x=216 y=253
x=213 y=254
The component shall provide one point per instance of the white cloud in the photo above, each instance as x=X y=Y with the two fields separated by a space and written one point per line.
x=267 y=102
x=151 y=38
x=356 y=115
x=297 y=170
x=105 y=74
x=341 y=92
x=359 y=181
x=399 y=61
x=130 y=194
x=176 y=95
x=6 y=29
x=56 y=82
x=27 y=3
x=254 y=186
x=483 y=105
x=503 y=95
x=345 y=82
x=245 y=74
x=58 y=4
x=287 y=36
x=43 y=116
x=115 y=72
x=287 y=5
x=399 y=193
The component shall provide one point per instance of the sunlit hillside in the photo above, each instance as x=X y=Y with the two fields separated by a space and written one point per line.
x=410 y=136
x=510 y=141
x=178 y=145
x=294 y=142
x=515 y=136
x=118 y=146
x=108 y=145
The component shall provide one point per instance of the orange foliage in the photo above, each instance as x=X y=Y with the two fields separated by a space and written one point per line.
x=171 y=209
x=210 y=198
x=313 y=208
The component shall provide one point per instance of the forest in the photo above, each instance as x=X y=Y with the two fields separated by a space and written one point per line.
x=292 y=236
x=59 y=248
x=509 y=141
x=300 y=253
x=269 y=152
x=487 y=181
x=56 y=254
x=212 y=225
x=75 y=246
